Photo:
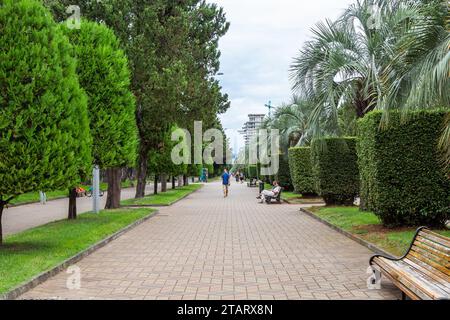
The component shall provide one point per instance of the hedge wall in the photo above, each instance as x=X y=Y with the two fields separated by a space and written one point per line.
x=335 y=169
x=401 y=178
x=252 y=171
x=301 y=170
x=284 y=175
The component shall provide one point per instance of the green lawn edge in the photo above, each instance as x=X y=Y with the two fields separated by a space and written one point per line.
x=367 y=226
x=28 y=254
x=164 y=198
x=33 y=197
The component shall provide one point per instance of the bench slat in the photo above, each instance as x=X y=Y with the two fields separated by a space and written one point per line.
x=424 y=272
x=405 y=280
x=391 y=273
x=434 y=245
x=401 y=286
x=421 y=285
x=435 y=237
x=432 y=272
x=425 y=275
x=442 y=261
x=428 y=261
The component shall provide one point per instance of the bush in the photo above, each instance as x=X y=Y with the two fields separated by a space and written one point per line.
x=301 y=170
x=252 y=172
x=44 y=128
x=104 y=75
x=401 y=179
x=335 y=169
x=284 y=175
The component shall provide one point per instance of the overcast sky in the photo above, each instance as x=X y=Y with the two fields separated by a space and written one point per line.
x=256 y=52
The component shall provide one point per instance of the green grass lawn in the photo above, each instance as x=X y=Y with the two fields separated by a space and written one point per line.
x=163 y=198
x=32 y=197
x=296 y=198
x=288 y=195
x=29 y=253
x=367 y=226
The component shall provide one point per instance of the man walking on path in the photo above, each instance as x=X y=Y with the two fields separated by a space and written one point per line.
x=225 y=182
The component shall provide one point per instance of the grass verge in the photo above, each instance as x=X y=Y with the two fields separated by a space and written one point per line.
x=33 y=197
x=297 y=198
x=367 y=226
x=287 y=195
x=29 y=253
x=163 y=198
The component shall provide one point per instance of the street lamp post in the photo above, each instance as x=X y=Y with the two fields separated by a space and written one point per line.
x=96 y=190
x=270 y=107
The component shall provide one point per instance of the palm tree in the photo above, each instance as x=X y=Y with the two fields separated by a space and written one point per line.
x=420 y=67
x=418 y=73
x=386 y=54
x=292 y=121
x=345 y=60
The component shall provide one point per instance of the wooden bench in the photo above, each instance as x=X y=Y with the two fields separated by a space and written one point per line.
x=423 y=273
x=277 y=198
x=252 y=183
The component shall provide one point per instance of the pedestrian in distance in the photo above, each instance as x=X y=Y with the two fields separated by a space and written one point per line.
x=225 y=182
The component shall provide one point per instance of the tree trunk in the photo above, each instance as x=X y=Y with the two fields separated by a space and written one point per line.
x=142 y=172
x=155 y=185
x=361 y=104
x=180 y=181
x=2 y=206
x=163 y=182
x=173 y=182
x=72 y=204
x=185 y=180
x=114 y=176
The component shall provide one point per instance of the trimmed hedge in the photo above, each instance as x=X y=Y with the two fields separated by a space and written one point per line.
x=401 y=179
x=301 y=170
x=284 y=176
x=252 y=171
x=335 y=169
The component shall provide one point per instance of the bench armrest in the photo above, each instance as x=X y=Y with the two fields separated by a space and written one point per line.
x=402 y=257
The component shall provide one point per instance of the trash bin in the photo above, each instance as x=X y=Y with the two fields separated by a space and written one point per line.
x=261 y=186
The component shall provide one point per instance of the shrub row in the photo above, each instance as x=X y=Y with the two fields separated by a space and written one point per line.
x=396 y=171
x=335 y=169
x=402 y=180
x=283 y=176
x=301 y=170
x=252 y=172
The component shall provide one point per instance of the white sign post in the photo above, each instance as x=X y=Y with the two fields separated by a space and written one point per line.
x=96 y=190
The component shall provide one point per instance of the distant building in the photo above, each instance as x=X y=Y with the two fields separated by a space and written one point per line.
x=250 y=128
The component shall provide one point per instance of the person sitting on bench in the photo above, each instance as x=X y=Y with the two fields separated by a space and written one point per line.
x=267 y=193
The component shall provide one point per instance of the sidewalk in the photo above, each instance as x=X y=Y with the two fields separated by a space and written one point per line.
x=208 y=247
x=20 y=218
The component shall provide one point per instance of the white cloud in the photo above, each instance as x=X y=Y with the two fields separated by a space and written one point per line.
x=258 y=49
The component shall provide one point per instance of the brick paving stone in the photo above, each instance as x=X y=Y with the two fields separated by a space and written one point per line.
x=206 y=247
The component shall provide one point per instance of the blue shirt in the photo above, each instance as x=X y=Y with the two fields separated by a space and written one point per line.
x=226 y=179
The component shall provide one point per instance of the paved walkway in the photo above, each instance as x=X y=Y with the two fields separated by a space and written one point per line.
x=207 y=247
x=20 y=218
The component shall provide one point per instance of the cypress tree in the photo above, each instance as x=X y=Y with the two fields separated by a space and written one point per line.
x=44 y=131
x=104 y=75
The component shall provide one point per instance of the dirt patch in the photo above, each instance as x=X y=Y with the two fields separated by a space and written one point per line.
x=379 y=228
x=305 y=200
